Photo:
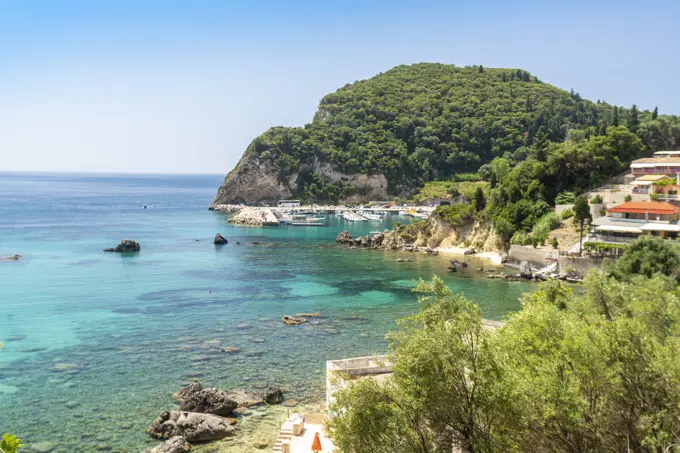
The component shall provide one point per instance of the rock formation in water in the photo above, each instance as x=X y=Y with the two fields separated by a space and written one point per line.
x=255 y=217
x=177 y=444
x=293 y=320
x=194 y=427
x=125 y=246
x=220 y=240
x=208 y=401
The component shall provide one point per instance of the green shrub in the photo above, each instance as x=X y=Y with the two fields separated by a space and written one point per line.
x=521 y=238
x=565 y=198
x=628 y=198
x=597 y=199
x=655 y=197
x=567 y=214
x=545 y=225
x=455 y=214
x=554 y=243
x=603 y=211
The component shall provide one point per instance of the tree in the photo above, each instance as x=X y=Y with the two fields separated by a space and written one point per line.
x=633 y=119
x=615 y=117
x=571 y=372
x=9 y=444
x=647 y=256
x=582 y=216
x=655 y=113
x=480 y=199
x=444 y=388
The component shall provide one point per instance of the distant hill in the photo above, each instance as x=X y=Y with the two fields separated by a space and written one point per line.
x=388 y=135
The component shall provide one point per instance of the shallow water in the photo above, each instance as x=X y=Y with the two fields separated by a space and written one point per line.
x=94 y=342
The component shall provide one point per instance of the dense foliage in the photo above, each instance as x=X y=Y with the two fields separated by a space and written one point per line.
x=648 y=256
x=432 y=122
x=587 y=372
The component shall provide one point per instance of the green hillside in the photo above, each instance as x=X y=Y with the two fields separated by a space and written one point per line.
x=429 y=121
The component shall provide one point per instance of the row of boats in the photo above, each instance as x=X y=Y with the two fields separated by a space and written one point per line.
x=311 y=218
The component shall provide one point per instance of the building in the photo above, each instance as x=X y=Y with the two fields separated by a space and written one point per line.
x=658 y=175
x=626 y=221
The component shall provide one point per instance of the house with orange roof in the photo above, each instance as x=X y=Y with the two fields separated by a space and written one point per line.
x=627 y=221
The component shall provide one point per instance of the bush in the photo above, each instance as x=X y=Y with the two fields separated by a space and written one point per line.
x=655 y=197
x=554 y=243
x=567 y=214
x=545 y=225
x=603 y=211
x=455 y=214
x=521 y=238
x=597 y=199
x=628 y=198
x=565 y=198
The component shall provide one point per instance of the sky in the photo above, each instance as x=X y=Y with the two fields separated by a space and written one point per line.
x=184 y=86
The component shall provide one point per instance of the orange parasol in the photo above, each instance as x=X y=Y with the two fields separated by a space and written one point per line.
x=316 y=444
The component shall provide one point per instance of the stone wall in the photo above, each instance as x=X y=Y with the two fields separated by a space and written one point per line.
x=536 y=257
x=578 y=265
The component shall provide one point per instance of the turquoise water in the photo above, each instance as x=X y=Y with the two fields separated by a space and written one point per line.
x=95 y=342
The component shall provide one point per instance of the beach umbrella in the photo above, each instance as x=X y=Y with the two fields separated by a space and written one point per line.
x=316 y=444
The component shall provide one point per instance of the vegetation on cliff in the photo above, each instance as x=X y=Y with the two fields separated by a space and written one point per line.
x=570 y=372
x=431 y=121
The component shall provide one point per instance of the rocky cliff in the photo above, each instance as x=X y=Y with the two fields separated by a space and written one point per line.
x=258 y=179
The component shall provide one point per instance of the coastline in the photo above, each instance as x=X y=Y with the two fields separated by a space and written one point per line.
x=495 y=257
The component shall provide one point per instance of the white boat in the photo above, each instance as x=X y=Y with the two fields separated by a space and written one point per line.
x=370 y=216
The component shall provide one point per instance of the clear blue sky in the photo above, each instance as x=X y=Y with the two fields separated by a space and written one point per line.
x=170 y=86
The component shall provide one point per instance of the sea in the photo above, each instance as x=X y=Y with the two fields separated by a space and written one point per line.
x=95 y=343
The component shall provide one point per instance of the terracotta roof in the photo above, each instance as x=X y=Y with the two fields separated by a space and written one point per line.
x=650 y=207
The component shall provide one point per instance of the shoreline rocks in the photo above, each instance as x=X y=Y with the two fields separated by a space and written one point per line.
x=208 y=401
x=125 y=246
x=176 y=444
x=255 y=216
x=194 y=427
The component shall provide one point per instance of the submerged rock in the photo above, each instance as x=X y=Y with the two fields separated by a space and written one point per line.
x=293 y=320
x=220 y=240
x=194 y=427
x=309 y=315
x=244 y=398
x=208 y=401
x=177 y=444
x=273 y=395
x=125 y=246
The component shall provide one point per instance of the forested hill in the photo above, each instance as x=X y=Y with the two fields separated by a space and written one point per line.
x=423 y=122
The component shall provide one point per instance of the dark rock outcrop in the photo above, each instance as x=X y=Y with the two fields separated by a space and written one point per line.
x=293 y=320
x=177 y=444
x=208 y=401
x=273 y=395
x=220 y=240
x=194 y=427
x=343 y=238
x=125 y=246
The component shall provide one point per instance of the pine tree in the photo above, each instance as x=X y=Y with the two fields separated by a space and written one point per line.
x=504 y=77
x=481 y=69
x=615 y=118
x=655 y=113
x=633 y=120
